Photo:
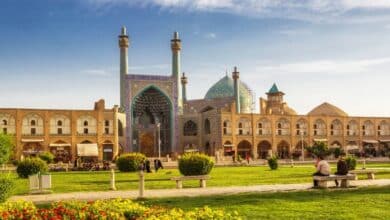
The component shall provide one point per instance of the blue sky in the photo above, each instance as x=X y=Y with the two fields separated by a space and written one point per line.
x=64 y=53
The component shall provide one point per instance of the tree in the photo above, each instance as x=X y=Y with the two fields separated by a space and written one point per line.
x=319 y=149
x=6 y=145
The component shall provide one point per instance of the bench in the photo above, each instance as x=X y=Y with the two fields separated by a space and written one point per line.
x=179 y=180
x=370 y=173
x=322 y=180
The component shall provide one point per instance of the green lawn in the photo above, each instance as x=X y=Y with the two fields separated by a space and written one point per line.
x=220 y=176
x=362 y=203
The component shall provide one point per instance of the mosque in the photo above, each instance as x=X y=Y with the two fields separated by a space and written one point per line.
x=156 y=118
x=161 y=120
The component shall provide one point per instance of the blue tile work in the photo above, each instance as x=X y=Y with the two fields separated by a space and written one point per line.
x=172 y=96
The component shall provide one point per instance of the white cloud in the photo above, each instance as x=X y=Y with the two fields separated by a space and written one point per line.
x=329 y=67
x=308 y=10
x=210 y=35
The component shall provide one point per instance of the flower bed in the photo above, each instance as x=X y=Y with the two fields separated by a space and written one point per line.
x=104 y=210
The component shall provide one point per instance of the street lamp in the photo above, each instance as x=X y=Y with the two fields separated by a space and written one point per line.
x=158 y=140
x=303 y=152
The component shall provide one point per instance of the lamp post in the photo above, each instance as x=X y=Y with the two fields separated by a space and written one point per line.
x=303 y=152
x=158 y=140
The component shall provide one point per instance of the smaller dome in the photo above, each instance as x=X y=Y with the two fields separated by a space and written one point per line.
x=326 y=109
x=289 y=111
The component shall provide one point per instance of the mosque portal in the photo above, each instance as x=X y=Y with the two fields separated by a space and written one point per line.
x=152 y=120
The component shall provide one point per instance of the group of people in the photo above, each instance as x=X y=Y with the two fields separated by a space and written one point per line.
x=146 y=165
x=323 y=168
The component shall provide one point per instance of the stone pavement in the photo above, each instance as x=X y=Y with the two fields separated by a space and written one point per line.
x=188 y=192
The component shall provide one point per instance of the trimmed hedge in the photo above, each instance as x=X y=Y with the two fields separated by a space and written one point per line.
x=6 y=185
x=47 y=157
x=351 y=162
x=193 y=164
x=273 y=163
x=130 y=162
x=31 y=166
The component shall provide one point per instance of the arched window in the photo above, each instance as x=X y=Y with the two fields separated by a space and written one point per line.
x=5 y=122
x=207 y=128
x=319 y=128
x=383 y=129
x=33 y=123
x=244 y=127
x=283 y=127
x=336 y=128
x=190 y=128
x=85 y=130
x=85 y=123
x=59 y=123
x=368 y=128
x=301 y=127
x=106 y=123
x=227 y=130
x=352 y=128
x=264 y=127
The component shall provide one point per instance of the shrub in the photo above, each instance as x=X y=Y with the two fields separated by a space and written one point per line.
x=31 y=166
x=6 y=185
x=273 y=162
x=130 y=162
x=319 y=149
x=6 y=144
x=193 y=164
x=337 y=152
x=351 y=162
x=47 y=157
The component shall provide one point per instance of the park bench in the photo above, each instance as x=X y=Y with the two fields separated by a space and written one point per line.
x=322 y=180
x=370 y=173
x=179 y=180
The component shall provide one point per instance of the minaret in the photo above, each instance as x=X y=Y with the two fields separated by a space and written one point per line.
x=236 y=76
x=124 y=64
x=176 y=48
x=184 y=82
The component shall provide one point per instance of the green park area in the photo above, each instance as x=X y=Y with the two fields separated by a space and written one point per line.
x=362 y=203
x=75 y=181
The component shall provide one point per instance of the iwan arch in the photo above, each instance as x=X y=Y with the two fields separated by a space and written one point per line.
x=222 y=123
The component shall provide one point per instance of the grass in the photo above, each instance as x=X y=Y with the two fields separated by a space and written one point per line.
x=220 y=176
x=362 y=203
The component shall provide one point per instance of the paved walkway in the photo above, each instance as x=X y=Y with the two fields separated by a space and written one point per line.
x=189 y=192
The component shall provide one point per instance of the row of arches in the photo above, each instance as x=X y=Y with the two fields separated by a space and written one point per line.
x=33 y=124
x=264 y=148
x=319 y=127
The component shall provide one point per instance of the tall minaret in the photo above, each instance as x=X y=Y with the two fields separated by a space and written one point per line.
x=124 y=65
x=236 y=76
x=176 y=48
x=184 y=82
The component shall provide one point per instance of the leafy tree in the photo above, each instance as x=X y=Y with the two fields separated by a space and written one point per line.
x=319 y=149
x=6 y=145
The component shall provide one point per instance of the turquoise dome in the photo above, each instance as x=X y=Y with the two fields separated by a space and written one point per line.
x=225 y=88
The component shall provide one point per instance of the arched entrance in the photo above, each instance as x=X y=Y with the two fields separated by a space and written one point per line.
x=283 y=150
x=146 y=144
x=228 y=149
x=244 y=148
x=61 y=151
x=108 y=151
x=32 y=149
x=152 y=119
x=263 y=149
x=299 y=148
